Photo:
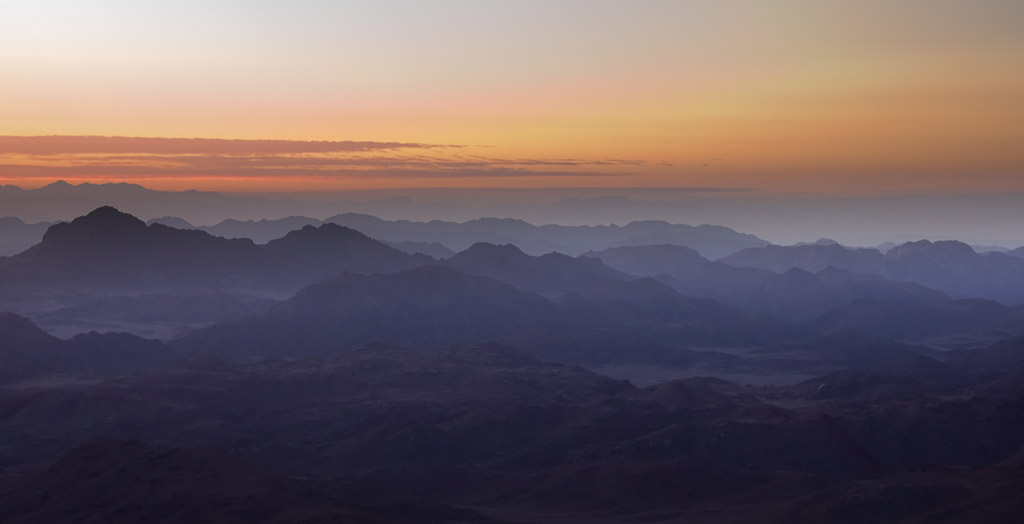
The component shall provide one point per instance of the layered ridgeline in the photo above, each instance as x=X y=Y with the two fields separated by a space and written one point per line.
x=833 y=298
x=948 y=266
x=108 y=270
x=712 y=241
x=107 y=248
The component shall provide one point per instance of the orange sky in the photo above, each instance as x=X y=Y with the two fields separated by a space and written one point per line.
x=782 y=96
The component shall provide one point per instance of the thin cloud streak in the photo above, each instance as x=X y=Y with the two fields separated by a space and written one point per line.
x=59 y=144
x=139 y=171
x=126 y=158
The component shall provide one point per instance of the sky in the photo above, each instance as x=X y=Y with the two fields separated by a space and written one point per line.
x=782 y=97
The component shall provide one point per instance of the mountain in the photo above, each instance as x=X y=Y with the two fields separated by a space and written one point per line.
x=424 y=307
x=820 y=242
x=17 y=236
x=110 y=271
x=28 y=352
x=552 y=275
x=650 y=260
x=260 y=231
x=175 y=222
x=1019 y=252
x=435 y=250
x=109 y=248
x=951 y=267
x=63 y=201
x=313 y=253
x=956 y=269
x=710 y=241
x=809 y=257
x=795 y=295
x=433 y=306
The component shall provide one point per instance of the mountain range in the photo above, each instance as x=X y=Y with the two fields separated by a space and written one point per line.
x=108 y=270
x=948 y=266
x=327 y=376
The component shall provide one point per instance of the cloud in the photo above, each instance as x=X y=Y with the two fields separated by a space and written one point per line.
x=144 y=171
x=63 y=145
x=126 y=158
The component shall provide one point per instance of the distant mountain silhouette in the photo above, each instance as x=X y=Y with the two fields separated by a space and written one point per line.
x=710 y=241
x=809 y=257
x=260 y=231
x=948 y=266
x=820 y=242
x=650 y=260
x=956 y=269
x=795 y=295
x=1019 y=252
x=175 y=222
x=435 y=250
x=552 y=275
x=63 y=201
x=17 y=236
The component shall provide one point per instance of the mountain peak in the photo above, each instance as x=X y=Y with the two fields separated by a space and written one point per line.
x=486 y=251
x=106 y=212
x=929 y=248
x=102 y=222
x=310 y=234
x=110 y=217
x=60 y=184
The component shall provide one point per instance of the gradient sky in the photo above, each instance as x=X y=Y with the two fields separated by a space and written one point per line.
x=782 y=96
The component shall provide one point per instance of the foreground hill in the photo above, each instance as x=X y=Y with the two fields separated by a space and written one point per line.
x=381 y=434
